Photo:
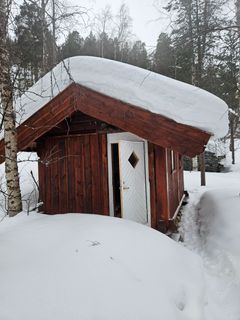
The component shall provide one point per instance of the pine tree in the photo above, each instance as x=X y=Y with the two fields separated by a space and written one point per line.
x=163 y=59
x=73 y=45
x=90 y=47
x=29 y=34
x=193 y=33
x=138 y=55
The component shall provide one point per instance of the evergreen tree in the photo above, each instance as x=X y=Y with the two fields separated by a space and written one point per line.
x=138 y=55
x=125 y=53
x=163 y=59
x=90 y=46
x=106 y=46
x=29 y=35
x=73 y=46
x=193 y=33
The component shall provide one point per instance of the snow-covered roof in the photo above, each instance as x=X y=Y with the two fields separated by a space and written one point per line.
x=173 y=99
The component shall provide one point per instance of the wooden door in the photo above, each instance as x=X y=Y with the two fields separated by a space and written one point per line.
x=133 y=181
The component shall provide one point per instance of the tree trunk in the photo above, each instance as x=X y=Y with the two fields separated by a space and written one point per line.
x=44 y=38
x=195 y=164
x=202 y=168
x=14 y=203
x=54 y=46
x=232 y=146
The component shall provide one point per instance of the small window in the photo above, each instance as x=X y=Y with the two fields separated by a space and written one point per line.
x=133 y=159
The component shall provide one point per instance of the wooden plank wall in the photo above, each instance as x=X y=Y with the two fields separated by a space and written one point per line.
x=158 y=184
x=166 y=185
x=73 y=174
x=175 y=181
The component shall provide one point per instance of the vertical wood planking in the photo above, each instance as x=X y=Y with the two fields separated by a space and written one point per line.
x=71 y=173
x=63 y=179
x=152 y=181
x=175 y=181
x=180 y=177
x=41 y=174
x=87 y=175
x=104 y=170
x=76 y=178
x=55 y=176
x=162 y=206
x=95 y=176
x=79 y=174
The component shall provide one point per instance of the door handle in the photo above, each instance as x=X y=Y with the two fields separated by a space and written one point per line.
x=125 y=188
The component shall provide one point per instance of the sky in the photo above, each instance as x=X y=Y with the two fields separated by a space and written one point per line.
x=147 y=22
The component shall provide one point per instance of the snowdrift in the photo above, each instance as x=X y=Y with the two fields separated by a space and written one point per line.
x=94 y=267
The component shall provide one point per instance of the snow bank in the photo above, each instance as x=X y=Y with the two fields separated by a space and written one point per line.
x=220 y=223
x=28 y=168
x=210 y=226
x=219 y=220
x=176 y=100
x=94 y=267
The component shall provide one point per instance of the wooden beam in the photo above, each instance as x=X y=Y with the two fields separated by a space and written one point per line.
x=49 y=116
x=152 y=127
x=155 y=128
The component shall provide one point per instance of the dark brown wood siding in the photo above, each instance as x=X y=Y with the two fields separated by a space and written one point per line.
x=175 y=180
x=73 y=174
x=166 y=184
x=158 y=185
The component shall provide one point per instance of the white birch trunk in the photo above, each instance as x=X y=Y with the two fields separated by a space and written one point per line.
x=14 y=203
x=195 y=164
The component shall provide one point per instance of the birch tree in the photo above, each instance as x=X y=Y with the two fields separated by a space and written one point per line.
x=123 y=27
x=14 y=203
x=104 y=20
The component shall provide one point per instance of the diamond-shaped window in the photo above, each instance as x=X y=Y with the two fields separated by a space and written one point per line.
x=133 y=159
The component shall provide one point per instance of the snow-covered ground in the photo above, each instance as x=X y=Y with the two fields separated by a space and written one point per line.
x=92 y=267
x=211 y=228
x=95 y=267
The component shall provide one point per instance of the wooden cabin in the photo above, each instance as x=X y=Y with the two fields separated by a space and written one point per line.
x=98 y=154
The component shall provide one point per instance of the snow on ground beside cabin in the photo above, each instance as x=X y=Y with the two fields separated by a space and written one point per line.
x=28 y=168
x=92 y=267
x=95 y=267
x=176 y=100
x=211 y=228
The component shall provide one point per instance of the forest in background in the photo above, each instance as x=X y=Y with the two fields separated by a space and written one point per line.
x=203 y=47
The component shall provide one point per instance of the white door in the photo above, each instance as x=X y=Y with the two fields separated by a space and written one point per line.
x=133 y=181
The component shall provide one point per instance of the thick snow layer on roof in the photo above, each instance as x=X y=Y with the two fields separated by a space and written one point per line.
x=176 y=100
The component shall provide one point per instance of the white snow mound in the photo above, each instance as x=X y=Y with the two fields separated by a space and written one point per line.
x=173 y=99
x=94 y=267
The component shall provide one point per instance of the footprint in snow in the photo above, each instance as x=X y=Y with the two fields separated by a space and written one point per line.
x=180 y=300
x=94 y=243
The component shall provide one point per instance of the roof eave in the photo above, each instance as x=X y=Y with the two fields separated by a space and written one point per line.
x=153 y=127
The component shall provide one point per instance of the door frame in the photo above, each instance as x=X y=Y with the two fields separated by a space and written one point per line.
x=113 y=138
